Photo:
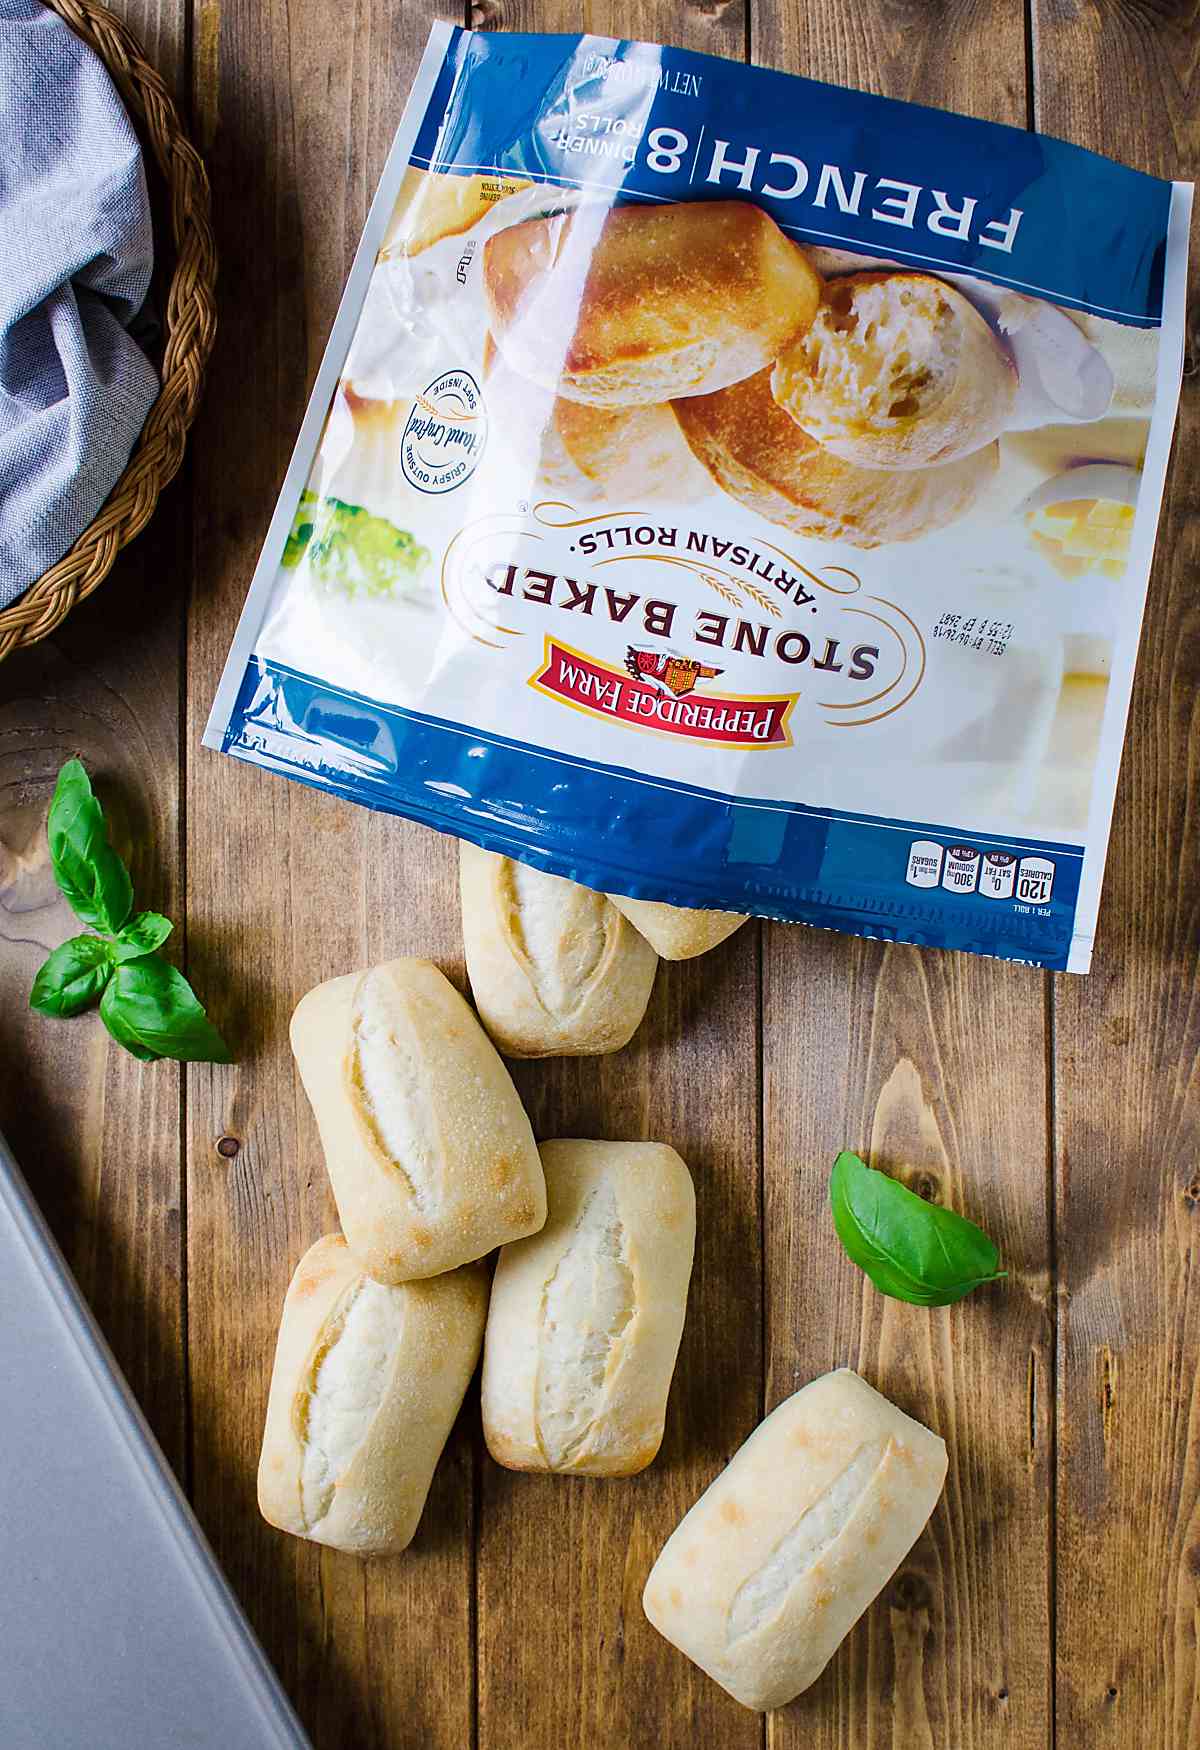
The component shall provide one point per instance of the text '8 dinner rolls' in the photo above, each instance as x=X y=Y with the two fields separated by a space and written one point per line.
x=898 y=370
x=429 y=1151
x=761 y=457
x=678 y=932
x=646 y=303
x=586 y=1317
x=555 y=969
x=768 y=1572
x=367 y=1382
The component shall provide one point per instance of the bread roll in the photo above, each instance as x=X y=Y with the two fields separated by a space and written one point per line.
x=898 y=370
x=367 y=1382
x=778 y=1559
x=678 y=932
x=634 y=304
x=555 y=970
x=760 y=456
x=429 y=1151
x=585 y=1319
x=584 y=453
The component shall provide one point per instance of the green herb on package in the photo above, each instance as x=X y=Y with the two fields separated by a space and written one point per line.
x=147 y=1005
x=351 y=550
x=911 y=1250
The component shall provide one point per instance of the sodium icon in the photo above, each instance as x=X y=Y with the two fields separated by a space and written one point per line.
x=924 y=863
x=998 y=874
x=962 y=869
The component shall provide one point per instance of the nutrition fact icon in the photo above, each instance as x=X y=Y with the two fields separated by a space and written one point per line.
x=991 y=874
x=961 y=874
x=998 y=875
x=924 y=863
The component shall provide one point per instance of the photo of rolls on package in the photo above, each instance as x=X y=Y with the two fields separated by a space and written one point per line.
x=679 y=419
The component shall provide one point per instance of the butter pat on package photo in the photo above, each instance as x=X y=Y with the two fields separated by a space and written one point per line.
x=729 y=492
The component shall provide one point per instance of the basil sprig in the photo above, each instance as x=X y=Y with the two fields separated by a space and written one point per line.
x=147 y=1006
x=911 y=1250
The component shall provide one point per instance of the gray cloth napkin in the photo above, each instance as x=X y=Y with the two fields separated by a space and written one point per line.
x=75 y=258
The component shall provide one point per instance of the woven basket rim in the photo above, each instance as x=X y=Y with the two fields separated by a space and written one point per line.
x=190 y=324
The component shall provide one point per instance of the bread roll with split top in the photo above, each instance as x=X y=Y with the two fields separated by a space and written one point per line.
x=898 y=370
x=761 y=457
x=640 y=304
x=555 y=969
x=765 y=1576
x=585 y=1318
x=678 y=932
x=366 y=1385
x=428 y=1148
x=584 y=453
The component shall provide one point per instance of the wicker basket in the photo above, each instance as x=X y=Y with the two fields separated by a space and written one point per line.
x=190 y=328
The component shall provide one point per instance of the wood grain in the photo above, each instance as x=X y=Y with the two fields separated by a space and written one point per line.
x=933 y=1065
x=1126 y=81
x=515 y=1621
x=96 y=1134
x=566 y=1656
x=560 y=1551
x=288 y=887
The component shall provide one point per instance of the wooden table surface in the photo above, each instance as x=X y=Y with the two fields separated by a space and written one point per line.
x=1055 y=1598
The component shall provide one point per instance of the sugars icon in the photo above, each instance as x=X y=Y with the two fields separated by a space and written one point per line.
x=924 y=863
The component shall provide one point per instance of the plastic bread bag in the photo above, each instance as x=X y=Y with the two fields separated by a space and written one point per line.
x=726 y=489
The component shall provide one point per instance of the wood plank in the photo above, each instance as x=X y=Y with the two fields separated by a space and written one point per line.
x=566 y=1653
x=1128 y=1110
x=566 y=1656
x=933 y=1064
x=298 y=105
x=96 y=1133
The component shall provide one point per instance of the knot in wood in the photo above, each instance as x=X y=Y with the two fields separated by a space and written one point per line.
x=228 y=1147
x=910 y=1592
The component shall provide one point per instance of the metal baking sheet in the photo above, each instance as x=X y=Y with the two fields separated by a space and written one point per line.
x=117 y=1628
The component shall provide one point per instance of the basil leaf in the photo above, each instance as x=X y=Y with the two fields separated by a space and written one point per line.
x=141 y=935
x=910 y=1249
x=72 y=979
x=87 y=869
x=152 y=1011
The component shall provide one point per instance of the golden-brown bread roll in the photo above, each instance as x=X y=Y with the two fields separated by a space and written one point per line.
x=809 y=1520
x=678 y=932
x=761 y=457
x=585 y=1318
x=638 y=304
x=898 y=370
x=429 y=1151
x=629 y=454
x=366 y=1385
x=555 y=970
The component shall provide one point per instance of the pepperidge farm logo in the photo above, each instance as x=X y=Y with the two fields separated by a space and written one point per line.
x=444 y=438
x=657 y=691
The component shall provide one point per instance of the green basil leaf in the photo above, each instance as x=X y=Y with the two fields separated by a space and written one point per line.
x=88 y=871
x=141 y=935
x=152 y=1011
x=911 y=1250
x=73 y=978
